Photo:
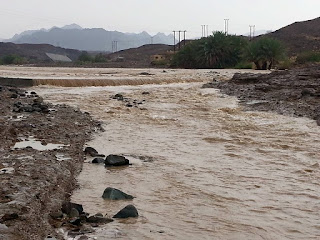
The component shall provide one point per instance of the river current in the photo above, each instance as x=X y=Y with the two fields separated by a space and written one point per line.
x=202 y=168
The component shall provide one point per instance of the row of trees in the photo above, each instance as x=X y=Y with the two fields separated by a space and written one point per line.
x=229 y=51
x=86 y=57
x=12 y=59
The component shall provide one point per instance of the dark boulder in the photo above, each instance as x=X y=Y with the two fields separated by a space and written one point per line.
x=115 y=194
x=67 y=207
x=127 y=212
x=98 y=160
x=116 y=160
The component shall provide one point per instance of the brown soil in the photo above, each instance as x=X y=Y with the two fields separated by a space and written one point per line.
x=295 y=92
x=41 y=180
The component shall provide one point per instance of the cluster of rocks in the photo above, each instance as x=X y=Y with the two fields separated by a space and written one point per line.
x=71 y=215
x=128 y=101
x=109 y=161
x=293 y=92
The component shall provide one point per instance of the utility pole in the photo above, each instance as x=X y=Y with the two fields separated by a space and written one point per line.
x=174 y=41
x=252 y=31
x=205 y=30
x=226 y=26
x=184 y=37
x=114 y=46
x=179 y=39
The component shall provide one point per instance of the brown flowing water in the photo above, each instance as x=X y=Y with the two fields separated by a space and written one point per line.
x=202 y=168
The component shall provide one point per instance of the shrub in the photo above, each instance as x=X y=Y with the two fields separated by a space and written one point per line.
x=287 y=63
x=100 y=58
x=308 y=57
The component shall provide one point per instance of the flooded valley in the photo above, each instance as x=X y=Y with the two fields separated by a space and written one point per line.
x=202 y=168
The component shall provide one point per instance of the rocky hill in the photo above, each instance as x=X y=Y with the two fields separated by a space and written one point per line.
x=96 y=39
x=36 y=52
x=300 y=36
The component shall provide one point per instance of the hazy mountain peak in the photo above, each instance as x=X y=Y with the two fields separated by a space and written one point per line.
x=72 y=26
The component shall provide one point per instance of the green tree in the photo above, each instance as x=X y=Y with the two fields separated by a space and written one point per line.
x=85 y=57
x=265 y=52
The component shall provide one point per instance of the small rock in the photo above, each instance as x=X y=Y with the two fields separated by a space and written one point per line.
x=145 y=93
x=115 y=194
x=76 y=222
x=50 y=238
x=129 y=105
x=98 y=160
x=98 y=219
x=116 y=160
x=57 y=214
x=9 y=170
x=66 y=207
x=91 y=151
x=127 y=212
x=145 y=74
x=14 y=95
x=118 y=96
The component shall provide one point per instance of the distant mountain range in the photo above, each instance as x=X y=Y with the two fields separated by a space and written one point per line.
x=74 y=36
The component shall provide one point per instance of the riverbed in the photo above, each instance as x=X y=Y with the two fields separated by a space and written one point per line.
x=202 y=168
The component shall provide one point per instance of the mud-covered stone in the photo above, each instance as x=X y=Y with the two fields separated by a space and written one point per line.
x=116 y=160
x=115 y=194
x=128 y=212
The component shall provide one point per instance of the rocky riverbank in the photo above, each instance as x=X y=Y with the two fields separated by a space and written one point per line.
x=293 y=92
x=41 y=153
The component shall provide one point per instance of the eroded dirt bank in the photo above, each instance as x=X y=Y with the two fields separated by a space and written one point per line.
x=295 y=92
x=34 y=182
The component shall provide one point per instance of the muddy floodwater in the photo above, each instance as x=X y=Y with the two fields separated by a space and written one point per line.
x=201 y=167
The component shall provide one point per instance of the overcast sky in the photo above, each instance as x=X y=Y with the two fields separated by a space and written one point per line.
x=154 y=15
